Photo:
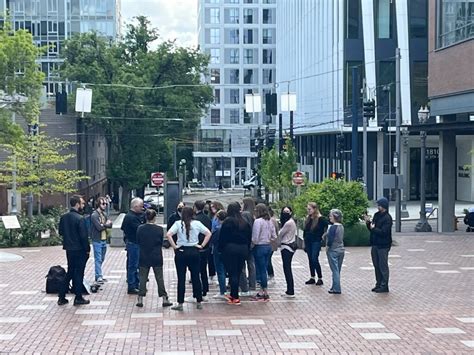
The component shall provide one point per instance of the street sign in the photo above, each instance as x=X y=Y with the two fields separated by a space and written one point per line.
x=298 y=178
x=157 y=179
x=10 y=222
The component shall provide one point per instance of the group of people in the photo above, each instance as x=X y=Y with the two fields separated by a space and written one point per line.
x=235 y=244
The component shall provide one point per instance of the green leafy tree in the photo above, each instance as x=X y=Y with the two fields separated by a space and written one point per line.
x=270 y=170
x=288 y=165
x=139 y=123
x=348 y=196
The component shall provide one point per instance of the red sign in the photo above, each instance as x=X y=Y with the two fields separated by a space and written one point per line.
x=157 y=179
x=298 y=178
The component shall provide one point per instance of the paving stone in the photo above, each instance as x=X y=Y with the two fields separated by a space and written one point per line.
x=99 y=322
x=118 y=271
x=169 y=322
x=146 y=315
x=439 y=263
x=50 y=299
x=122 y=335
x=380 y=336
x=415 y=267
x=7 y=336
x=445 y=330
x=300 y=345
x=367 y=268
x=466 y=319
x=175 y=353
x=112 y=277
x=31 y=307
x=223 y=332
x=30 y=250
x=366 y=325
x=100 y=303
x=3 y=285
x=468 y=343
x=467 y=268
x=23 y=292
x=91 y=311
x=433 y=241
x=416 y=250
x=302 y=332
x=468 y=256
x=394 y=256
x=247 y=321
x=448 y=271
x=14 y=319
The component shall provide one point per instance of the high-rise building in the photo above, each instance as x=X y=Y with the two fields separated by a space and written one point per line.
x=51 y=22
x=240 y=38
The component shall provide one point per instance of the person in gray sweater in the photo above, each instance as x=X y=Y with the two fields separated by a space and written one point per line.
x=335 y=249
x=99 y=225
x=287 y=236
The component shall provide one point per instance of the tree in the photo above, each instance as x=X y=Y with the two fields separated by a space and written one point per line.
x=138 y=123
x=270 y=171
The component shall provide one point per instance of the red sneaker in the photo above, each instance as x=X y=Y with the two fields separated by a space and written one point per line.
x=234 y=301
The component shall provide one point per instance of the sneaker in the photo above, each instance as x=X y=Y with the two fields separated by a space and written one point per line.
x=286 y=295
x=178 y=307
x=311 y=281
x=266 y=297
x=81 y=301
x=199 y=305
x=375 y=288
x=190 y=299
x=234 y=301
x=62 y=301
x=139 y=301
x=320 y=282
x=381 y=290
x=101 y=280
x=205 y=299
x=166 y=302
x=334 y=292
x=258 y=297
x=132 y=291
x=245 y=294
x=218 y=296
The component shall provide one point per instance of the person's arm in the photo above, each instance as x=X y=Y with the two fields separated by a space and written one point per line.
x=172 y=231
x=284 y=231
x=256 y=229
x=83 y=237
x=384 y=227
x=331 y=234
x=61 y=226
x=273 y=234
x=205 y=231
x=95 y=219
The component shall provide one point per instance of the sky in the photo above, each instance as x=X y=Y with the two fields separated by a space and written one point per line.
x=175 y=19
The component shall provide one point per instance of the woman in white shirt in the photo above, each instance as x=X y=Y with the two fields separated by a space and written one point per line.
x=287 y=236
x=187 y=253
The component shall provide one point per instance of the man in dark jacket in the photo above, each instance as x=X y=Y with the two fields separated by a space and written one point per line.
x=380 y=228
x=75 y=241
x=133 y=219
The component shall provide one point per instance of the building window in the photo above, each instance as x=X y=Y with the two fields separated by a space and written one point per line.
x=383 y=18
x=269 y=16
x=52 y=5
x=215 y=55
x=233 y=36
x=232 y=1
x=248 y=56
x=234 y=76
x=234 y=115
x=418 y=17
x=268 y=56
x=353 y=18
x=215 y=76
x=234 y=56
x=213 y=1
x=234 y=95
x=268 y=76
x=248 y=37
x=250 y=1
x=455 y=21
x=348 y=79
x=250 y=16
x=53 y=48
x=215 y=16
x=215 y=36
x=215 y=115
x=52 y=27
x=386 y=81
x=419 y=87
x=217 y=96
x=232 y=15
x=268 y=36
x=249 y=76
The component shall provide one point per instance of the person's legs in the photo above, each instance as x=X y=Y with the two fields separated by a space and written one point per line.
x=143 y=275
x=315 y=249
x=239 y=262
x=270 y=270
x=104 y=251
x=287 y=256
x=203 y=259
x=180 y=261
x=243 y=280
x=309 y=252
x=160 y=281
x=383 y=267
x=210 y=262
x=334 y=266
x=97 y=247
x=193 y=260
x=78 y=277
x=375 y=262
x=71 y=265
x=261 y=263
x=267 y=253
x=220 y=270
x=252 y=277
x=133 y=254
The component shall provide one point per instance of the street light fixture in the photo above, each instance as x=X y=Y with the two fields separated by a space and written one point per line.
x=423 y=225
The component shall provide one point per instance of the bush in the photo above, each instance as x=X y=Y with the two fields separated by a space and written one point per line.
x=348 y=196
x=356 y=235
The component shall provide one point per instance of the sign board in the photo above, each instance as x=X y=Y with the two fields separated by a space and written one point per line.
x=157 y=179
x=83 y=100
x=45 y=234
x=428 y=207
x=10 y=222
x=298 y=178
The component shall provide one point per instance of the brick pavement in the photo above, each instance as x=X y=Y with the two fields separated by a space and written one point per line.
x=431 y=287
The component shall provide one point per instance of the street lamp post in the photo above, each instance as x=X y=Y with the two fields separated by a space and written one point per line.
x=423 y=225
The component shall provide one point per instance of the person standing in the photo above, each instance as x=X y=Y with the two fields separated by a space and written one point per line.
x=380 y=228
x=73 y=230
x=314 y=228
x=187 y=256
x=335 y=249
x=234 y=244
x=175 y=216
x=248 y=282
x=150 y=242
x=287 y=236
x=133 y=219
x=263 y=235
x=220 y=216
x=271 y=272
x=215 y=206
x=99 y=226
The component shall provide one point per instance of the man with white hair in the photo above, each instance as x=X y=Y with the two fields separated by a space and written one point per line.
x=133 y=219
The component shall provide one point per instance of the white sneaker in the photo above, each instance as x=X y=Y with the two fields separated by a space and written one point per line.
x=190 y=299
x=287 y=296
x=245 y=294
x=218 y=296
x=204 y=299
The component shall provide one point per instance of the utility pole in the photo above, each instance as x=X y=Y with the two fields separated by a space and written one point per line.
x=280 y=133
x=174 y=159
x=14 y=210
x=396 y=158
x=355 y=122
x=364 y=152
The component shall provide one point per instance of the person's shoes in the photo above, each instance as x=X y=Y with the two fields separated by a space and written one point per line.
x=205 y=299
x=311 y=281
x=132 y=291
x=62 y=301
x=190 y=299
x=375 y=288
x=81 y=301
x=199 y=305
x=218 y=296
x=101 y=280
x=258 y=297
x=234 y=302
x=381 y=290
x=139 y=301
x=178 y=307
x=166 y=302
x=245 y=294
x=266 y=297
x=319 y=282
x=334 y=292
x=286 y=295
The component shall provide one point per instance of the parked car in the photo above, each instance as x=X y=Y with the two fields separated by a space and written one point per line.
x=250 y=183
x=155 y=201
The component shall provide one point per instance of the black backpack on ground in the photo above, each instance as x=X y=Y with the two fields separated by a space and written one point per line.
x=55 y=279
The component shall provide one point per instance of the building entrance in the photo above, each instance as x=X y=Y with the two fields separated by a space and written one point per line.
x=431 y=173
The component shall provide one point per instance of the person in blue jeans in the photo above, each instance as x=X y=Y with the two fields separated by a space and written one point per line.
x=133 y=219
x=314 y=228
x=263 y=235
x=99 y=226
x=335 y=249
x=217 y=221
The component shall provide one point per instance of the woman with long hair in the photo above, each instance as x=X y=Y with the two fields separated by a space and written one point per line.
x=248 y=278
x=187 y=253
x=234 y=244
x=335 y=249
x=314 y=228
x=263 y=234
x=287 y=236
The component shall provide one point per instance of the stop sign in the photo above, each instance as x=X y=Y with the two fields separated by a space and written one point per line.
x=157 y=179
x=298 y=178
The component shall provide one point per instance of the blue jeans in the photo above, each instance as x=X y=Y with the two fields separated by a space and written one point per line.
x=100 y=249
x=220 y=270
x=262 y=254
x=335 y=259
x=133 y=255
x=313 y=249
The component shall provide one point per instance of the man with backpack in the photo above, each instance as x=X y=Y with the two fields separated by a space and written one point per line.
x=76 y=243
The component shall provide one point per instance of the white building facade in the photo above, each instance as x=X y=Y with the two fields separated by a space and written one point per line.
x=240 y=38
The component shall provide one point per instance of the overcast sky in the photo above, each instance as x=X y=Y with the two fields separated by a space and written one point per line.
x=175 y=19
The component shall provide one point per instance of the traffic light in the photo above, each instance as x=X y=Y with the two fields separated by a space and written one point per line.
x=336 y=176
x=339 y=143
x=369 y=109
x=271 y=104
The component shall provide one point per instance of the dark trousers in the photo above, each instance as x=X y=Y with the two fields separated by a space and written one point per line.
x=270 y=271
x=188 y=258
x=210 y=262
x=234 y=257
x=203 y=260
x=287 y=257
x=133 y=256
x=380 y=261
x=76 y=264
x=313 y=249
x=143 y=275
